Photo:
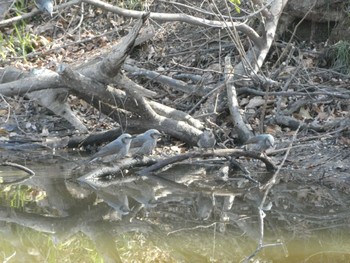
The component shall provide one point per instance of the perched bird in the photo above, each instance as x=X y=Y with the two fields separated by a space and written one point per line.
x=117 y=149
x=45 y=5
x=146 y=142
x=261 y=142
x=206 y=139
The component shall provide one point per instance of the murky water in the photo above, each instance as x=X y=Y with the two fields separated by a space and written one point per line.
x=185 y=214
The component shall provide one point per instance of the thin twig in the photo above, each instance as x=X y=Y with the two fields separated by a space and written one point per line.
x=35 y=12
x=267 y=187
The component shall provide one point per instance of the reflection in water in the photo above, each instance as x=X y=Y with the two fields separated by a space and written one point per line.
x=142 y=192
x=117 y=200
x=204 y=206
x=184 y=214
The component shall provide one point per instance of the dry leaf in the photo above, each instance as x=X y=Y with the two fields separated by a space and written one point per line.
x=3 y=112
x=304 y=113
x=255 y=102
x=322 y=116
x=244 y=101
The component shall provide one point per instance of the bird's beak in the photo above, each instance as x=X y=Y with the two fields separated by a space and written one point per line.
x=157 y=135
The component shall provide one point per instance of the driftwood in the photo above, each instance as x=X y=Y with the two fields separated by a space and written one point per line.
x=155 y=164
x=94 y=138
x=91 y=81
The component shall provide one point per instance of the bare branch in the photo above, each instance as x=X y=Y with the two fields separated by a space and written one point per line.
x=35 y=12
x=237 y=120
x=173 y=17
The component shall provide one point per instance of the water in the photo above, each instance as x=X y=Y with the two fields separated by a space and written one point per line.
x=188 y=213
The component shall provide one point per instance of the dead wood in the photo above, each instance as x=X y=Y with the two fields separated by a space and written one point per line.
x=294 y=123
x=17 y=82
x=89 y=84
x=251 y=61
x=100 y=73
x=121 y=165
x=43 y=86
x=156 y=164
x=175 y=114
x=174 y=17
x=173 y=83
x=94 y=138
x=239 y=124
x=150 y=119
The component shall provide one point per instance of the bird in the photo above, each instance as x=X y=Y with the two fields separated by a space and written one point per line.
x=117 y=149
x=146 y=142
x=45 y=6
x=261 y=142
x=206 y=139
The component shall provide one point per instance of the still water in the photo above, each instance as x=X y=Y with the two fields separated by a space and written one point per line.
x=188 y=213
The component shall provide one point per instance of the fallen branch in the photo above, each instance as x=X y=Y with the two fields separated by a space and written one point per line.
x=175 y=17
x=270 y=166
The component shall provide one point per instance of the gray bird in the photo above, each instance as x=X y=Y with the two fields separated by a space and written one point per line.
x=45 y=6
x=146 y=142
x=118 y=148
x=206 y=139
x=261 y=142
